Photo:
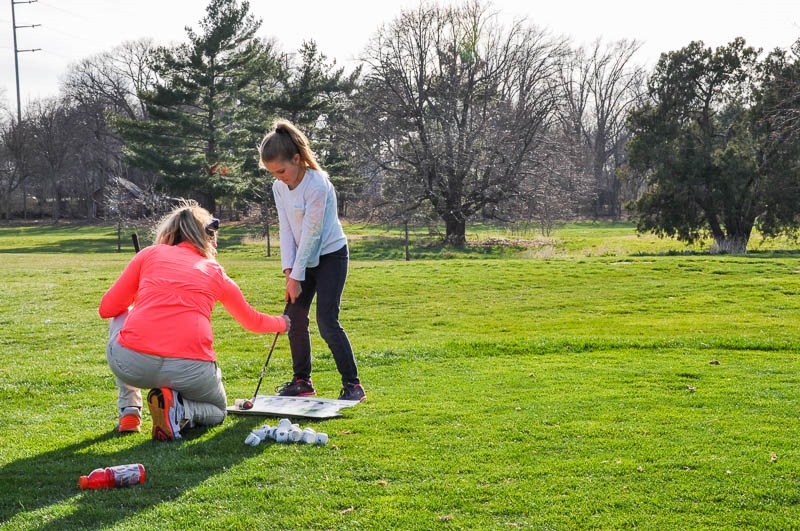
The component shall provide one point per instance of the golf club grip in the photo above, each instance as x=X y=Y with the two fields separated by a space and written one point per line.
x=135 y=238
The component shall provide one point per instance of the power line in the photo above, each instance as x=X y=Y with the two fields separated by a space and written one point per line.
x=65 y=34
x=50 y=52
x=70 y=13
x=17 y=51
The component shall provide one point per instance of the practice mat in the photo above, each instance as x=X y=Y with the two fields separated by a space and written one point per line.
x=295 y=406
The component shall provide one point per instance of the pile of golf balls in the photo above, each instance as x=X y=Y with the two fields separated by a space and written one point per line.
x=286 y=432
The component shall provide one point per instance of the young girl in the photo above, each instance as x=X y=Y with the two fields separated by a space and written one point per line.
x=314 y=256
x=164 y=341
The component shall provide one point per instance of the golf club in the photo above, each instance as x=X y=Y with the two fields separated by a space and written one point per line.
x=248 y=404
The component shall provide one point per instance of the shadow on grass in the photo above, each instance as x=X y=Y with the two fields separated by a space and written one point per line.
x=64 y=238
x=42 y=480
x=787 y=253
x=77 y=245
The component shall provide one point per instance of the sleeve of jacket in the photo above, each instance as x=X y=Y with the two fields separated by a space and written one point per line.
x=311 y=240
x=122 y=292
x=288 y=246
x=251 y=319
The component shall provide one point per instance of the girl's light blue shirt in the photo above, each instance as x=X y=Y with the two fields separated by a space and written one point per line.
x=309 y=222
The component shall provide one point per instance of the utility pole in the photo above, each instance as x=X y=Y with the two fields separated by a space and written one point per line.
x=18 y=51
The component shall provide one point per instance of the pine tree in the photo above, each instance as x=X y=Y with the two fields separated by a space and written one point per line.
x=189 y=135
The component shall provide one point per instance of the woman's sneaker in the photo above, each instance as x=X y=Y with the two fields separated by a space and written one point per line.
x=167 y=412
x=130 y=420
x=296 y=387
x=352 y=392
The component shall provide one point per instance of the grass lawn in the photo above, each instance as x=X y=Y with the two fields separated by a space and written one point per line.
x=589 y=379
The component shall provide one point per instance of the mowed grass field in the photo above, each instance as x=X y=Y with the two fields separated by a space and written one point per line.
x=590 y=379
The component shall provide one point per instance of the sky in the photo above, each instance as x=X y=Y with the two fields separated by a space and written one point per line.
x=68 y=31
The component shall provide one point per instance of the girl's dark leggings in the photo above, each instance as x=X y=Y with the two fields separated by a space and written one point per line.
x=326 y=281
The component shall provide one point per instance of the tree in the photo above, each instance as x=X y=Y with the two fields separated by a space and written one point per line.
x=311 y=91
x=187 y=137
x=114 y=79
x=458 y=105
x=601 y=86
x=776 y=123
x=704 y=158
x=54 y=140
x=557 y=188
x=16 y=153
x=101 y=88
x=317 y=96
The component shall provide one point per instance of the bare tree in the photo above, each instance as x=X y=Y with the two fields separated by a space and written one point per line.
x=99 y=89
x=98 y=156
x=601 y=85
x=15 y=162
x=55 y=147
x=113 y=79
x=124 y=202
x=559 y=186
x=459 y=105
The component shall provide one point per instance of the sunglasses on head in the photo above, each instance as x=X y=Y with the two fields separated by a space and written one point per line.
x=212 y=227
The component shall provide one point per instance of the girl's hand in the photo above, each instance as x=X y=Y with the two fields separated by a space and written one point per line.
x=293 y=290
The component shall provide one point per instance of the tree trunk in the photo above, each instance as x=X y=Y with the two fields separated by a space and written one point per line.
x=7 y=208
x=56 y=211
x=265 y=224
x=405 y=227
x=455 y=231
x=734 y=239
x=735 y=244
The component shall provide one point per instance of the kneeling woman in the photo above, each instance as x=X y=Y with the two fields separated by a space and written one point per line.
x=160 y=327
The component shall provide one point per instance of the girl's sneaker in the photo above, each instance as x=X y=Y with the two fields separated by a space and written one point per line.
x=353 y=392
x=130 y=420
x=167 y=412
x=296 y=387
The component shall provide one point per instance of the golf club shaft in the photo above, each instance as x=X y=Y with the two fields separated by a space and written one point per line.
x=255 y=393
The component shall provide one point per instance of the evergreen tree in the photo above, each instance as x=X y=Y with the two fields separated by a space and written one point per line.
x=719 y=157
x=317 y=98
x=189 y=134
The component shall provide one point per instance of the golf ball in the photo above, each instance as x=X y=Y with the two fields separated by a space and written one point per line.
x=309 y=436
x=295 y=434
x=286 y=424
x=281 y=435
x=243 y=403
x=322 y=439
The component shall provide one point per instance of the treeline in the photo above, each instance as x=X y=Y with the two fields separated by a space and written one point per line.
x=450 y=117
